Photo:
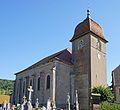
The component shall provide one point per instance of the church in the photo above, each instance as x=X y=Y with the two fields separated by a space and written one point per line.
x=80 y=68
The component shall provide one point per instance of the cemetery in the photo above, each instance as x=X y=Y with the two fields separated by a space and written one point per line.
x=27 y=105
x=72 y=78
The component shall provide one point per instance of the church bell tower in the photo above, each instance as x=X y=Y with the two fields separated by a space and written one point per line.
x=89 y=59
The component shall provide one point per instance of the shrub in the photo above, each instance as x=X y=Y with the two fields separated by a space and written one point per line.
x=109 y=106
x=106 y=93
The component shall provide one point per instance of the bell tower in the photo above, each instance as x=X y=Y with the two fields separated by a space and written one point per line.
x=89 y=59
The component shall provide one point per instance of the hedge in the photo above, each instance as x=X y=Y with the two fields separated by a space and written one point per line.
x=109 y=106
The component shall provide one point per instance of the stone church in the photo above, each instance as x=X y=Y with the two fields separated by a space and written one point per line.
x=116 y=83
x=80 y=68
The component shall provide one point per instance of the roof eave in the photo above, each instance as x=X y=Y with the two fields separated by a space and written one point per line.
x=87 y=33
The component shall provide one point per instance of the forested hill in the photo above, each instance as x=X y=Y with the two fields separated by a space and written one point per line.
x=6 y=86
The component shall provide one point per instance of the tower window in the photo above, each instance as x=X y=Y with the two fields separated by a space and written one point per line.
x=80 y=44
x=39 y=83
x=48 y=82
x=98 y=45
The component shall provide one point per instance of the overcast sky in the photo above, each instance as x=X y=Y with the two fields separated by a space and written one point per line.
x=33 y=29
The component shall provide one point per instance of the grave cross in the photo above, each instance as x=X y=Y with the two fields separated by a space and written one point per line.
x=76 y=100
x=37 y=103
x=68 y=101
x=30 y=93
x=24 y=99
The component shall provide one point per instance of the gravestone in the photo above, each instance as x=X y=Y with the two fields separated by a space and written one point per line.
x=8 y=107
x=23 y=104
x=37 y=104
x=30 y=90
x=18 y=106
x=4 y=105
x=95 y=101
x=49 y=104
x=76 y=100
x=68 y=101
x=43 y=108
x=13 y=107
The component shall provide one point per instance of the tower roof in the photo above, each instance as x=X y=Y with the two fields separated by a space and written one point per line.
x=88 y=25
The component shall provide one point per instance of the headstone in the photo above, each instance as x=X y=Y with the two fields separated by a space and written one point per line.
x=68 y=101
x=53 y=105
x=30 y=93
x=4 y=105
x=13 y=107
x=37 y=104
x=43 y=108
x=22 y=107
x=29 y=106
x=23 y=103
x=24 y=100
x=8 y=107
x=49 y=104
x=18 y=106
x=76 y=100
x=29 y=98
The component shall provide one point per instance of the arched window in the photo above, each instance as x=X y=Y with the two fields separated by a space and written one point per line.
x=38 y=83
x=48 y=82
x=31 y=82
x=23 y=87
x=98 y=45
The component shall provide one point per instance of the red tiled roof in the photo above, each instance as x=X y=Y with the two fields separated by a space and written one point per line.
x=64 y=56
x=88 y=25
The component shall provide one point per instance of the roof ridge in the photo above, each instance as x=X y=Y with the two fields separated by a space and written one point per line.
x=44 y=60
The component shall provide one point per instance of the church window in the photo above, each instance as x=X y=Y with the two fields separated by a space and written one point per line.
x=23 y=87
x=38 y=83
x=18 y=90
x=31 y=82
x=48 y=82
x=98 y=45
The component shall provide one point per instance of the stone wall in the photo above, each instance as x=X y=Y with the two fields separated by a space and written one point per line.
x=98 y=62
x=31 y=76
x=116 y=83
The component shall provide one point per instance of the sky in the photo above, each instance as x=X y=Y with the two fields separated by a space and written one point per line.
x=33 y=29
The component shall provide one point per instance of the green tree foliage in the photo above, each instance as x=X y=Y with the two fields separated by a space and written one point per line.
x=109 y=106
x=106 y=93
x=6 y=87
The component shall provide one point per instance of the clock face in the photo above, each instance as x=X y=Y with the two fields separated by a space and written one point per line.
x=80 y=44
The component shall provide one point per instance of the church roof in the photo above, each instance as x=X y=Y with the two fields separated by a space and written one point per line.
x=64 y=56
x=88 y=25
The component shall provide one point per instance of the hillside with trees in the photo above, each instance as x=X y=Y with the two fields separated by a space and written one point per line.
x=6 y=87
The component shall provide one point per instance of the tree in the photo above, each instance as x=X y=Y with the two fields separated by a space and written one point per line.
x=105 y=92
x=6 y=87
